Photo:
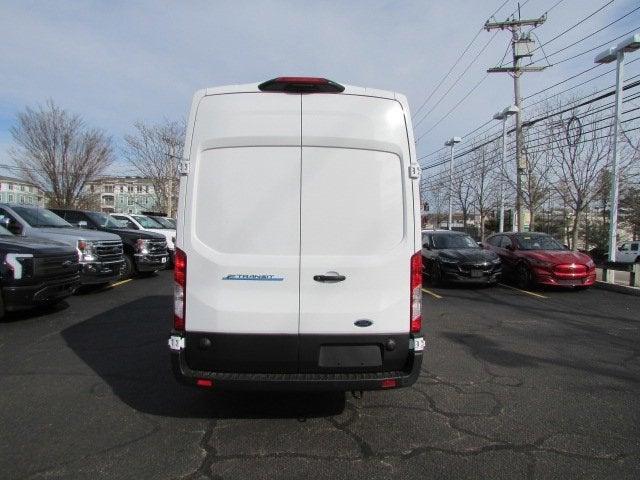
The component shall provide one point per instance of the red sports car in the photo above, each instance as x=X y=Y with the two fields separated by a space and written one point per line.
x=538 y=258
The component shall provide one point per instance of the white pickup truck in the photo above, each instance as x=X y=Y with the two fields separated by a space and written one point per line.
x=629 y=252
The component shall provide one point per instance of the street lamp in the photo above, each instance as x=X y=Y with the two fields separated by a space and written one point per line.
x=616 y=53
x=503 y=115
x=450 y=143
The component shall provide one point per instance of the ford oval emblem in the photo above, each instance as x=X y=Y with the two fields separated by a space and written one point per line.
x=363 y=323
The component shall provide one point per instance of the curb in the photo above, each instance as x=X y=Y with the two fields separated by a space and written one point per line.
x=617 y=288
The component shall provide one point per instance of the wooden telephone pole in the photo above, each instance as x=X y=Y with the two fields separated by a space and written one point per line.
x=522 y=46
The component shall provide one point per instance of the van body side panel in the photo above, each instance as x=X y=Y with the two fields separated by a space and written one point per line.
x=242 y=233
x=357 y=221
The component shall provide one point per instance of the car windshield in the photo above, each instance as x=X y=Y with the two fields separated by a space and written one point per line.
x=538 y=242
x=147 y=222
x=41 y=217
x=104 y=220
x=453 y=241
x=5 y=233
x=164 y=222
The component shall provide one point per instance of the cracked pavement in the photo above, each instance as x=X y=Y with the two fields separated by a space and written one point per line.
x=513 y=386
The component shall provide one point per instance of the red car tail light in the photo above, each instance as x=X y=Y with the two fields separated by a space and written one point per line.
x=179 y=289
x=415 y=292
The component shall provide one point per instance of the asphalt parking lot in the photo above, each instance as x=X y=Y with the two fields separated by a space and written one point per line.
x=515 y=384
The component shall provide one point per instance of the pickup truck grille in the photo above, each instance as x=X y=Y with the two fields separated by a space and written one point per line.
x=56 y=265
x=158 y=247
x=108 y=251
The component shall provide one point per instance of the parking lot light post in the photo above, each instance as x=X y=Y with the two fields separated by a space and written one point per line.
x=450 y=143
x=506 y=113
x=616 y=54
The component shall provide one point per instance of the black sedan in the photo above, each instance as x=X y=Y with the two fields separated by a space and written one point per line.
x=449 y=256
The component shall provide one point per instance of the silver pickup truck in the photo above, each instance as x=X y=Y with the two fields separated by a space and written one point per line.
x=100 y=253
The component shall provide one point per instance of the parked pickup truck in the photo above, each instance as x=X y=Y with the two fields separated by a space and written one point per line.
x=100 y=253
x=143 y=251
x=35 y=272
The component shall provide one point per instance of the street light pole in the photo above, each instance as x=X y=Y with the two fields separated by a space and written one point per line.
x=616 y=54
x=511 y=110
x=450 y=143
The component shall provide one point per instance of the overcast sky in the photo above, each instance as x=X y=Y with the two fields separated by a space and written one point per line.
x=118 y=62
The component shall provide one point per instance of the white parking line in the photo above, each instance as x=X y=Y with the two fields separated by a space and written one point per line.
x=523 y=291
x=435 y=295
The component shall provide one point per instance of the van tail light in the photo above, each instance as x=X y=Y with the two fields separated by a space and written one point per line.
x=179 y=289
x=301 y=85
x=416 y=293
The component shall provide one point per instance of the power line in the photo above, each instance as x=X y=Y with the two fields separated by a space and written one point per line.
x=592 y=33
x=454 y=107
x=576 y=55
x=466 y=49
x=444 y=95
x=575 y=25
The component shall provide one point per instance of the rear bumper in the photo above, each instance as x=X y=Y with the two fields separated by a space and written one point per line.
x=92 y=273
x=17 y=298
x=314 y=381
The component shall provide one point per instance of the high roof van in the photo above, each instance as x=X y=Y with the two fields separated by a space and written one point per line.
x=298 y=263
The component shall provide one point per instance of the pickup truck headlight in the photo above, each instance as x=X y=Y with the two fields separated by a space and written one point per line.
x=87 y=251
x=142 y=246
x=19 y=265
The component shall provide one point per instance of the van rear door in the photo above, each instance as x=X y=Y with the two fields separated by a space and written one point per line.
x=242 y=234
x=357 y=234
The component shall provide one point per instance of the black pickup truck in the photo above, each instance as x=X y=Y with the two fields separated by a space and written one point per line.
x=143 y=251
x=35 y=272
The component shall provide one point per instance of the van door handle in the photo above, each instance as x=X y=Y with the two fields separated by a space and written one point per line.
x=329 y=278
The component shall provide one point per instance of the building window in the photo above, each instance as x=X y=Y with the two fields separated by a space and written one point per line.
x=108 y=188
x=21 y=198
x=130 y=189
x=107 y=199
x=130 y=201
x=146 y=189
x=121 y=188
x=22 y=188
x=10 y=197
x=138 y=188
x=11 y=186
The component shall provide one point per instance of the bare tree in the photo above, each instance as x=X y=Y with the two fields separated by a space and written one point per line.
x=154 y=150
x=577 y=159
x=58 y=153
x=483 y=181
x=463 y=194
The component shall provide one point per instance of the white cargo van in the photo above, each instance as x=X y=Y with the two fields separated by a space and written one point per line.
x=298 y=262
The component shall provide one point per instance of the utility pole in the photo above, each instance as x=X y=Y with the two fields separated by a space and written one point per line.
x=451 y=143
x=522 y=46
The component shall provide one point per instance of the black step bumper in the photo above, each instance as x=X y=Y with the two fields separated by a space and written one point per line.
x=312 y=381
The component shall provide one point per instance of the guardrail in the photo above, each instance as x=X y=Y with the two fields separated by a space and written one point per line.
x=632 y=268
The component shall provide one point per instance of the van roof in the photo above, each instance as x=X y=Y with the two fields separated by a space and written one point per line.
x=253 y=88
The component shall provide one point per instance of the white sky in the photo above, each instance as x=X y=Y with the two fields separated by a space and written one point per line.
x=115 y=62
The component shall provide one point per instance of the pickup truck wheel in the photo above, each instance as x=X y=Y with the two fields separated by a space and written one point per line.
x=128 y=268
